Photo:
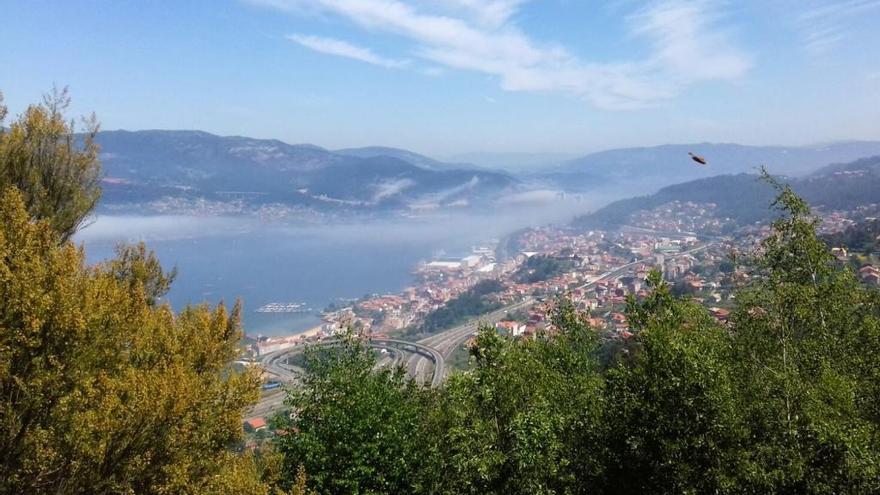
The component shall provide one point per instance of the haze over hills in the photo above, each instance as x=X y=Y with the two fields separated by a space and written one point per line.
x=150 y=165
x=175 y=169
x=405 y=155
x=514 y=161
x=745 y=199
x=658 y=166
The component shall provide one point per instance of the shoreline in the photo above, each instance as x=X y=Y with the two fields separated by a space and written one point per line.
x=311 y=332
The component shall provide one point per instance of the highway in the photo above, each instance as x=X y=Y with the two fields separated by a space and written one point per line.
x=274 y=363
x=448 y=341
x=426 y=355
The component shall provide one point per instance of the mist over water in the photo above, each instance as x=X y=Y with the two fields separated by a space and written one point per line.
x=222 y=258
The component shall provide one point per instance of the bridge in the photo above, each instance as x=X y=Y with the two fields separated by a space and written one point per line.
x=276 y=363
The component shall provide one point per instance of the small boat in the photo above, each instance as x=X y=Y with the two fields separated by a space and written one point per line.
x=293 y=307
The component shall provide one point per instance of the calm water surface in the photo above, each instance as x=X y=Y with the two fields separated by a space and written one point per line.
x=263 y=262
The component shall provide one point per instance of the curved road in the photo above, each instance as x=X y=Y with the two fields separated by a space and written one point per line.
x=275 y=364
x=449 y=340
x=431 y=350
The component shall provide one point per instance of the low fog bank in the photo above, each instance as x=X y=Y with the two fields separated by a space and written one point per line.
x=533 y=208
x=224 y=258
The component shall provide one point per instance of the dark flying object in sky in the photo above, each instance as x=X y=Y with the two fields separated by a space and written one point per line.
x=697 y=158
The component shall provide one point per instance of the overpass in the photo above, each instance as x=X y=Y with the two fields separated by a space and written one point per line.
x=434 y=349
x=276 y=362
x=449 y=340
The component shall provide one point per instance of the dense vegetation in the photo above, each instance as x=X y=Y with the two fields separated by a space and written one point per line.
x=55 y=172
x=474 y=302
x=541 y=267
x=786 y=399
x=741 y=197
x=102 y=388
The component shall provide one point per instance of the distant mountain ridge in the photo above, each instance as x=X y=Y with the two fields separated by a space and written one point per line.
x=514 y=161
x=744 y=198
x=405 y=155
x=186 y=167
x=669 y=164
x=149 y=165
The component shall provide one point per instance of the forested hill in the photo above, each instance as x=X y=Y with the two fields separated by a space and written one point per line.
x=746 y=199
x=668 y=164
x=869 y=165
x=148 y=166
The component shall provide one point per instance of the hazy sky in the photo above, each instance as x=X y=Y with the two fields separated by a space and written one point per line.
x=450 y=76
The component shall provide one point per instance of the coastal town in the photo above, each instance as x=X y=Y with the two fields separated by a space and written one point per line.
x=513 y=286
x=596 y=269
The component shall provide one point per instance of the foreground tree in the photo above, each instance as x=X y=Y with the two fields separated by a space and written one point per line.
x=56 y=170
x=807 y=338
x=672 y=419
x=355 y=429
x=103 y=392
x=526 y=419
x=784 y=399
x=135 y=265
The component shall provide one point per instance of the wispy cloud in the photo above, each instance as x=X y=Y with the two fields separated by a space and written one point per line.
x=687 y=42
x=391 y=188
x=825 y=24
x=489 y=12
x=341 y=48
x=479 y=35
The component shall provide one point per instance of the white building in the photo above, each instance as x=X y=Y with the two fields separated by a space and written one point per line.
x=470 y=261
x=443 y=265
x=512 y=328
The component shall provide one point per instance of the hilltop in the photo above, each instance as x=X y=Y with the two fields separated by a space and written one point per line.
x=743 y=199
x=658 y=166
x=166 y=168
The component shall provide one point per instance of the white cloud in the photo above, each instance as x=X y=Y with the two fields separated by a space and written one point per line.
x=825 y=24
x=478 y=35
x=489 y=12
x=341 y=48
x=685 y=41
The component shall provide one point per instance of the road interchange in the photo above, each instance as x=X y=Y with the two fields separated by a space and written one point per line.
x=429 y=353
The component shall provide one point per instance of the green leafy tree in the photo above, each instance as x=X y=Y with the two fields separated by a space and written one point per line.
x=56 y=170
x=784 y=399
x=542 y=267
x=671 y=412
x=103 y=392
x=808 y=342
x=355 y=428
x=525 y=419
x=475 y=301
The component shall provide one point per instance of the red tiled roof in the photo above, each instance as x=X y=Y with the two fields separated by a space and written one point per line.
x=256 y=423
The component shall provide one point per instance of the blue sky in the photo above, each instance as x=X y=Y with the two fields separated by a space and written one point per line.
x=451 y=76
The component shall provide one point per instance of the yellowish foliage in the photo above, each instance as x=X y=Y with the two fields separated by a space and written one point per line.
x=103 y=392
x=56 y=170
